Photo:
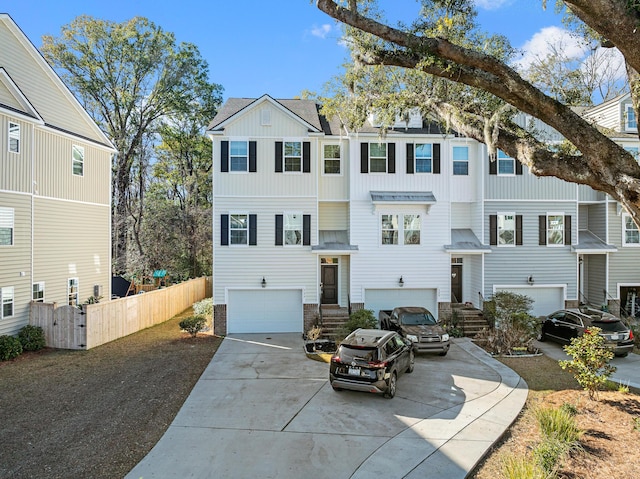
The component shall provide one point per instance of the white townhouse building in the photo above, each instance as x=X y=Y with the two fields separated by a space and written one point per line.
x=55 y=188
x=309 y=215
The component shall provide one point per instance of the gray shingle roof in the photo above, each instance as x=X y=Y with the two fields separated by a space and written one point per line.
x=402 y=196
x=465 y=240
x=334 y=240
x=588 y=241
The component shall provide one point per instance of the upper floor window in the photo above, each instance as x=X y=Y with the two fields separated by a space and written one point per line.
x=78 y=160
x=73 y=292
x=38 y=292
x=424 y=156
x=292 y=156
x=395 y=227
x=6 y=226
x=507 y=229
x=293 y=229
x=238 y=229
x=461 y=160
x=555 y=229
x=631 y=122
x=331 y=155
x=377 y=157
x=14 y=137
x=238 y=155
x=7 y=296
x=630 y=235
x=506 y=164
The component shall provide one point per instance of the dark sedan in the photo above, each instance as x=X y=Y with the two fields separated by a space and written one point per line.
x=566 y=324
x=371 y=360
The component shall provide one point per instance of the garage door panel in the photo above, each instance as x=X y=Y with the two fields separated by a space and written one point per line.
x=265 y=311
x=377 y=299
x=545 y=300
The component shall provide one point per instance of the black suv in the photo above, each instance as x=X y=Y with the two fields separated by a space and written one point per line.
x=371 y=360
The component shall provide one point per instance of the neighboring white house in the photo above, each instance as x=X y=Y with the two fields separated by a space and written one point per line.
x=307 y=214
x=55 y=170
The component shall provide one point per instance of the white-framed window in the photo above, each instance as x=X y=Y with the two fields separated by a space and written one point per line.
x=238 y=229
x=555 y=229
x=412 y=228
x=630 y=233
x=293 y=156
x=631 y=122
x=396 y=227
x=506 y=164
x=73 y=292
x=293 y=229
x=506 y=229
x=6 y=226
x=38 y=292
x=424 y=157
x=331 y=159
x=7 y=297
x=238 y=156
x=461 y=160
x=14 y=137
x=377 y=157
x=77 y=160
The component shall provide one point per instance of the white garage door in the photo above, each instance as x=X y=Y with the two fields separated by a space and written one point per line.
x=265 y=311
x=377 y=299
x=546 y=300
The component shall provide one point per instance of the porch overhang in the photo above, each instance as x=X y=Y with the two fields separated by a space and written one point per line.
x=424 y=198
x=464 y=241
x=334 y=242
x=589 y=243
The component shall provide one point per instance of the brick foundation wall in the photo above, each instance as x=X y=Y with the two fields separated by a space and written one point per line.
x=311 y=316
x=444 y=311
x=220 y=319
x=356 y=307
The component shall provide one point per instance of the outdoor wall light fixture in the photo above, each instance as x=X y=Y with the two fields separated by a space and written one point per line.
x=401 y=282
x=263 y=282
x=530 y=280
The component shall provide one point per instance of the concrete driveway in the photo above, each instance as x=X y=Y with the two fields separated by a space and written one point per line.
x=262 y=409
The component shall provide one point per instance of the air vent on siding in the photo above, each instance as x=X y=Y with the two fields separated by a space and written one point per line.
x=265 y=117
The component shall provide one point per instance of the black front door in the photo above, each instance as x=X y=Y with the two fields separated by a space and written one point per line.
x=329 y=273
x=456 y=283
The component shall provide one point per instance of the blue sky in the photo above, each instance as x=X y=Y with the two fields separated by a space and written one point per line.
x=255 y=47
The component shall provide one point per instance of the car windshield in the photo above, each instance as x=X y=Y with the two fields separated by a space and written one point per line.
x=610 y=326
x=349 y=353
x=418 y=318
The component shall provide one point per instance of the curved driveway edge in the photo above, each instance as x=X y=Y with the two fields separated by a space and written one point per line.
x=262 y=409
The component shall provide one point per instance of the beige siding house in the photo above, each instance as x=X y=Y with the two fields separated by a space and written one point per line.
x=55 y=170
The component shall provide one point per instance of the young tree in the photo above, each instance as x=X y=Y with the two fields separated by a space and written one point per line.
x=128 y=76
x=443 y=64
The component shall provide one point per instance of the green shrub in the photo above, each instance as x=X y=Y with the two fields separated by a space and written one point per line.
x=590 y=364
x=362 y=318
x=558 y=424
x=522 y=467
x=549 y=453
x=10 y=347
x=204 y=308
x=193 y=325
x=32 y=338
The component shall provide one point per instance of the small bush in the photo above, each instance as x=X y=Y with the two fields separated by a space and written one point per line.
x=590 y=364
x=549 y=453
x=363 y=318
x=10 y=347
x=32 y=338
x=193 y=325
x=204 y=308
x=558 y=424
x=522 y=467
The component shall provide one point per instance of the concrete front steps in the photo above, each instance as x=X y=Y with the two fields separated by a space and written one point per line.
x=470 y=320
x=333 y=318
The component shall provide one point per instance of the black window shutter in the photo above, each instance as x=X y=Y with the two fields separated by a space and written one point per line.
x=436 y=158
x=518 y=230
x=279 y=229
x=567 y=229
x=410 y=158
x=364 y=157
x=278 y=157
x=253 y=164
x=493 y=230
x=253 y=230
x=391 y=157
x=224 y=230
x=306 y=230
x=542 y=229
x=493 y=166
x=306 y=157
x=518 y=167
x=224 y=157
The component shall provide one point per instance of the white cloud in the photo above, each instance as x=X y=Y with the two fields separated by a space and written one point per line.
x=322 y=31
x=542 y=43
x=491 y=4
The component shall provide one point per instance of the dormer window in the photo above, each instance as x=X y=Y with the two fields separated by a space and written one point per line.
x=631 y=122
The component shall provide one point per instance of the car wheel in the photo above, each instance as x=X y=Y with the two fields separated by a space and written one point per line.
x=541 y=336
x=412 y=362
x=391 y=386
x=336 y=389
x=443 y=353
x=622 y=355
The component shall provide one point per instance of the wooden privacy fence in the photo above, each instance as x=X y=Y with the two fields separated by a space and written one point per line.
x=68 y=327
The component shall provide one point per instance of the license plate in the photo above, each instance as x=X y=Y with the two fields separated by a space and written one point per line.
x=354 y=371
x=614 y=337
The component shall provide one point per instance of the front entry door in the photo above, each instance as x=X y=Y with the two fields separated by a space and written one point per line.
x=456 y=283
x=329 y=273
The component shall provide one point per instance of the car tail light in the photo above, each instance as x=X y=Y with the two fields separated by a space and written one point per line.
x=630 y=334
x=336 y=359
x=378 y=364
